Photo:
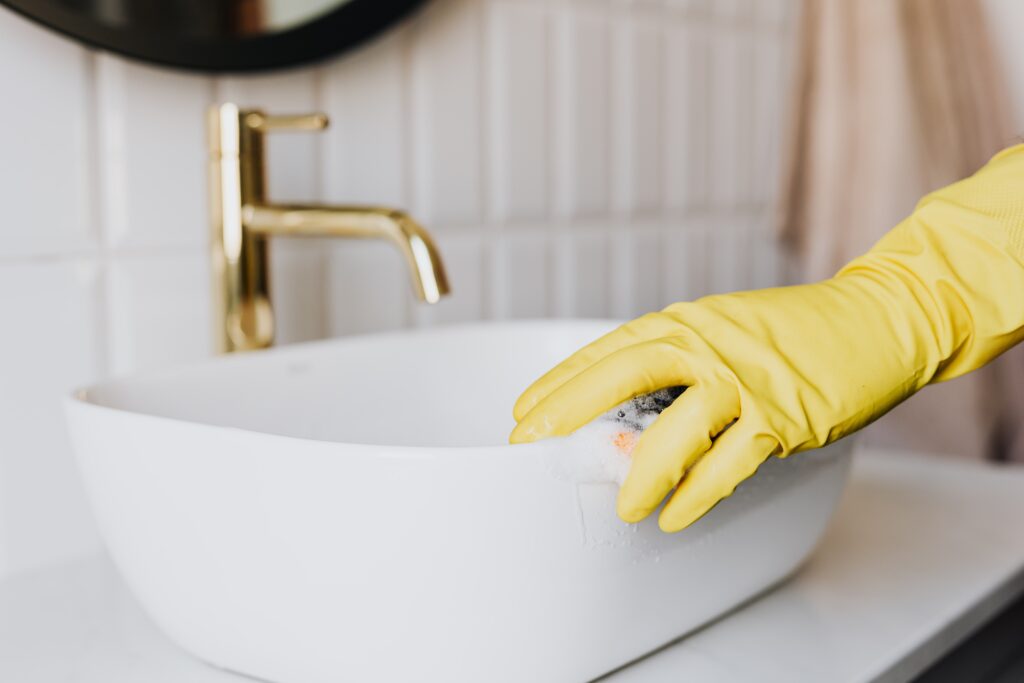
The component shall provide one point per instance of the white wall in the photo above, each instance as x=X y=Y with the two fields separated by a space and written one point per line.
x=573 y=158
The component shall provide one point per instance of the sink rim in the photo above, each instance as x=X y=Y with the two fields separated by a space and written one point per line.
x=83 y=397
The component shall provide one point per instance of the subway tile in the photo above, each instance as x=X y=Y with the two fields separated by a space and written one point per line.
x=647 y=259
x=731 y=10
x=582 y=139
x=691 y=9
x=725 y=94
x=771 y=94
x=519 y=267
x=46 y=162
x=298 y=282
x=623 y=273
x=637 y=112
x=746 y=119
x=365 y=95
x=463 y=256
x=729 y=240
x=50 y=345
x=159 y=310
x=687 y=151
x=365 y=286
x=368 y=288
x=777 y=14
x=291 y=158
x=518 y=110
x=685 y=267
x=152 y=154
x=582 y=274
x=446 y=113
x=766 y=254
x=636 y=266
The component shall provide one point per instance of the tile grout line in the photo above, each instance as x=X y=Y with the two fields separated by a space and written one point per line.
x=406 y=44
x=613 y=133
x=661 y=128
x=320 y=157
x=97 y=183
x=493 y=250
x=484 y=78
x=555 y=18
x=461 y=229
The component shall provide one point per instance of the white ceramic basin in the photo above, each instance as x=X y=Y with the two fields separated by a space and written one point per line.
x=350 y=511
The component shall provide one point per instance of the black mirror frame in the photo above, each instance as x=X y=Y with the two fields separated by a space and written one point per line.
x=334 y=31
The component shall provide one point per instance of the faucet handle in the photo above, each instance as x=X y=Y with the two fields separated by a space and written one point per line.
x=266 y=123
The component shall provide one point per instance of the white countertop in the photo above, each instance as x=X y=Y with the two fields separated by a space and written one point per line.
x=922 y=551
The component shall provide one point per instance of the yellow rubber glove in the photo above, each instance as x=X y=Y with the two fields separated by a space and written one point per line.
x=795 y=368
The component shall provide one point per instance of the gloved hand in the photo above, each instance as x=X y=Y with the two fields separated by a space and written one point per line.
x=777 y=371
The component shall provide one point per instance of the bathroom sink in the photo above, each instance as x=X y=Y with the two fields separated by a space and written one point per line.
x=350 y=510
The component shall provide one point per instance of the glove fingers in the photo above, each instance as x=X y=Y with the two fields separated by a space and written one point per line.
x=680 y=435
x=632 y=371
x=642 y=329
x=734 y=456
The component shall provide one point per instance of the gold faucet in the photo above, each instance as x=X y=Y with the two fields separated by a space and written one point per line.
x=243 y=221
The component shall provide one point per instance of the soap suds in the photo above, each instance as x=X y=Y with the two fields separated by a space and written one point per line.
x=600 y=452
x=595 y=460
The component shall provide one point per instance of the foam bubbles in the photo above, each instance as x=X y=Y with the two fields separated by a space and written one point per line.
x=600 y=452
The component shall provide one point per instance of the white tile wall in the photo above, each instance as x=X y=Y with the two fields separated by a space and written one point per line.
x=464 y=260
x=46 y=161
x=573 y=158
x=685 y=269
x=367 y=288
x=51 y=339
x=687 y=117
x=157 y=310
x=365 y=151
x=637 y=152
x=445 y=107
x=151 y=120
x=517 y=44
x=582 y=112
x=520 y=274
x=581 y=273
x=636 y=270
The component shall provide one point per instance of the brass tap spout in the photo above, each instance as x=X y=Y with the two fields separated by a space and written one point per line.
x=293 y=220
x=244 y=221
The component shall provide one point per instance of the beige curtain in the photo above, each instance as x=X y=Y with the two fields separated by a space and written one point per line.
x=894 y=98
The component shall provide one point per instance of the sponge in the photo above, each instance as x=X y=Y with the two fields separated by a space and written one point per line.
x=600 y=451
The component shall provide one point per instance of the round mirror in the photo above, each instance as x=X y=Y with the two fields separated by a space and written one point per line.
x=219 y=35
